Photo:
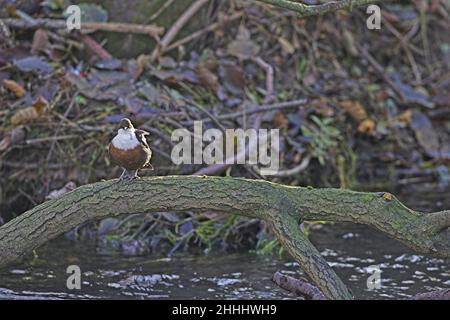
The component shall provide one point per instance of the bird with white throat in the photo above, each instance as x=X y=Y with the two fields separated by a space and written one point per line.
x=129 y=149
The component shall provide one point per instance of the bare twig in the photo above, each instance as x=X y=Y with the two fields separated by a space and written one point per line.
x=154 y=16
x=176 y=27
x=199 y=33
x=261 y=108
x=269 y=77
x=378 y=68
x=96 y=47
x=296 y=170
x=58 y=129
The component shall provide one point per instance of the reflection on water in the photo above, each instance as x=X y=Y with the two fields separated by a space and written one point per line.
x=350 y=249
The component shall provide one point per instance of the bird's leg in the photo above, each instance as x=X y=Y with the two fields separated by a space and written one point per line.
x=134 y=176
x=122 y=176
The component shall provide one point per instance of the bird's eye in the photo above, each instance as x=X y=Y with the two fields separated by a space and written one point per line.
x=125 y=128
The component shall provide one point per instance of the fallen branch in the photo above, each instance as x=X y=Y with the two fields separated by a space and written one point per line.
x=282 y=207
x=305 y=10
x=151 y=30
x=298 y=286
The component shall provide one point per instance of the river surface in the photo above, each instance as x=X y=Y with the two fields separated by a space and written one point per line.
x=352 y=250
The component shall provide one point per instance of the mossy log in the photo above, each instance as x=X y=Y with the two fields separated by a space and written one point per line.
x=282 y=207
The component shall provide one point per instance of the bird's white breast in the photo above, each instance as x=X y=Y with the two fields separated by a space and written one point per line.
x=125 y=139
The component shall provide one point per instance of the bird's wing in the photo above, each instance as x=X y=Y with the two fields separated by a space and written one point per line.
x=140 y=135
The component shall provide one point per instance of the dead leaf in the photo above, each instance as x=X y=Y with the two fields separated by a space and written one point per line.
x=425 y=134
x=23 y=116
x=233 y=78
x=40 y=41
x=207 y=78
x=322 y=108
x=33 y=64
x=405 y=117
x=96 y=88
x=109 y=64
x=134 y=105
x=243 y=47
x=355 y=109
x=14 y=87
x=279 y=120
x=367 y=126
x=359 y=114
x=30 y=114
x=286 y=45
x=40 y=104
x=412 y=95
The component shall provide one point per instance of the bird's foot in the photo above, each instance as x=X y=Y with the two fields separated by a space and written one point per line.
x=134 y=176
x=123 y=175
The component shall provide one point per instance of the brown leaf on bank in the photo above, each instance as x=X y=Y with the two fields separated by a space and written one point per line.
x=321 y=107
x=279 y=120
x=40 y=104
x=367 y=126
x=243 y=47
x=30 y=114
x=359 y=114
x=425 y=134
x=207 y=78
x=23 y=116
x=355 y=109
x=233 y=78
x=405 y=117
x=134 y=105
x=33 y=64
x=40 y=41
x=14 y=87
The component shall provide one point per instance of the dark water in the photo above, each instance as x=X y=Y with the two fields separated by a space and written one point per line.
x=350 y=249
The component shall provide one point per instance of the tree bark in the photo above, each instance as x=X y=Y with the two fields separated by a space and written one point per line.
x=305 y=10
x=283 y=207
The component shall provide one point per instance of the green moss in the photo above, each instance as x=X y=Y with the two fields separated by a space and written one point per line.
x=368 y=197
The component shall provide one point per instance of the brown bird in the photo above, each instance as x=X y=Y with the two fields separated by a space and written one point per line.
x=129 y=149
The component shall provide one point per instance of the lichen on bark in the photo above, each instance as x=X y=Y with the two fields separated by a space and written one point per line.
x=283 y=207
